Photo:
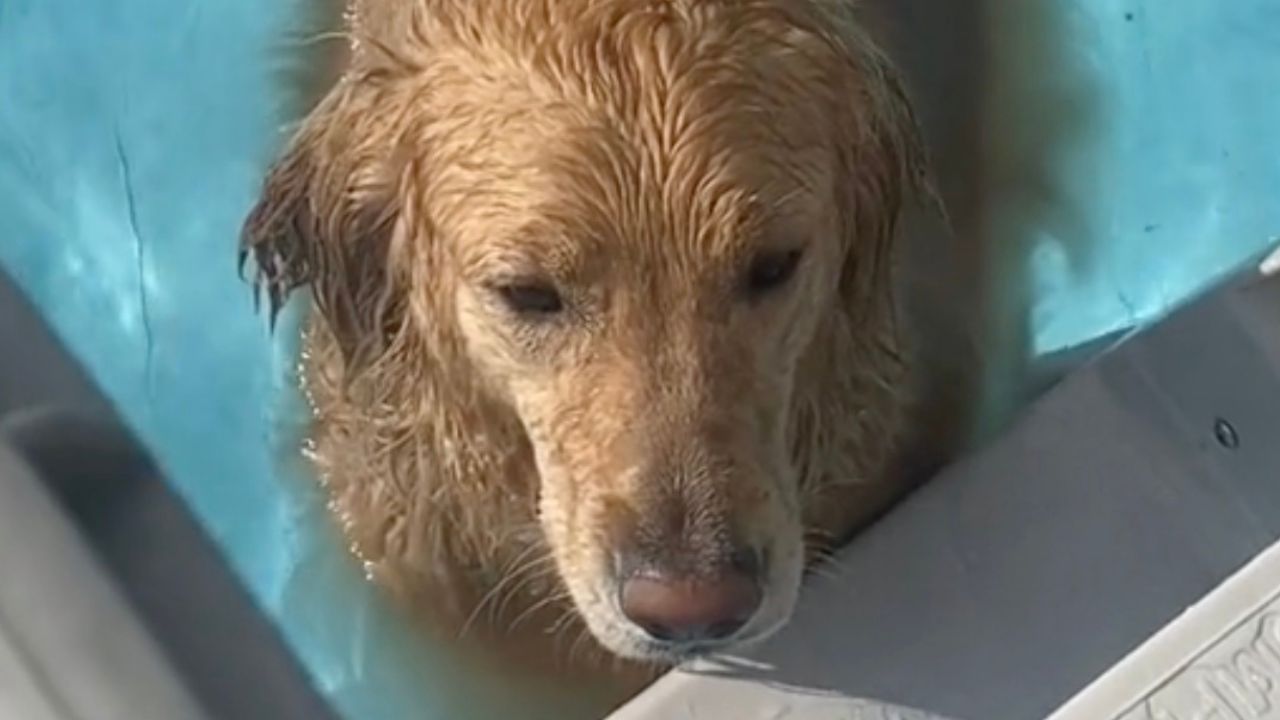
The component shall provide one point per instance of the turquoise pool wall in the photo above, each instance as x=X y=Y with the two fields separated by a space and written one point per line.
x=133 y=136
x=1131 y=154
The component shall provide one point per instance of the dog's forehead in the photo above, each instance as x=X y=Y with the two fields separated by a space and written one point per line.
x=603 y=194
x=709 y=145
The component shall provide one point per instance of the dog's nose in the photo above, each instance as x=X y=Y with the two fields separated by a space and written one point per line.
x=679 y=608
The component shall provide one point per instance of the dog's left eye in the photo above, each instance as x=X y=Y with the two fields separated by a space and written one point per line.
x=531 y=298
x=770 y=271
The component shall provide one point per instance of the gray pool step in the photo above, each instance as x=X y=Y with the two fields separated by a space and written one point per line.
x=114 y=604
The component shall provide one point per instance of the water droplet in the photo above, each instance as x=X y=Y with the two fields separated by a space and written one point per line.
x=1226 y=434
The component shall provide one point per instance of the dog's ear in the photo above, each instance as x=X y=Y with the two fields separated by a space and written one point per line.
x=883 y=166
x=325 y=219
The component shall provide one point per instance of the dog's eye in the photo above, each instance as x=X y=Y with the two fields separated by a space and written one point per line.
x=531 y=298
x=770 y=271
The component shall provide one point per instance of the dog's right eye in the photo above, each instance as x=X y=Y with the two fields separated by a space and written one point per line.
x=534 y=299
x=770 y=271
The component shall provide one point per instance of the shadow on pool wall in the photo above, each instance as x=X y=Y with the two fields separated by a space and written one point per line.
x=1009 y=104
x=1100 y=160
x=1043 y=114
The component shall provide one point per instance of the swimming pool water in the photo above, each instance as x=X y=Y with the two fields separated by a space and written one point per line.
x=1131 y=149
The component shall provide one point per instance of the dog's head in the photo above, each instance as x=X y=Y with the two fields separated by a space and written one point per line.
x=629 y=224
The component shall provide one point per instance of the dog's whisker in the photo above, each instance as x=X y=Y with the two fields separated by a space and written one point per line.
x=540 y=571
x=493 y=592
x=558 y=637
x=542 y=604
x=584 y=636
x=566 y=618
x=317 y=38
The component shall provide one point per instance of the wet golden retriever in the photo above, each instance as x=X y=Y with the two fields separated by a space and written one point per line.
x=605 y=332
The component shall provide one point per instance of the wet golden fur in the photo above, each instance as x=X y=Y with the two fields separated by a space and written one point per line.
x=638 y=152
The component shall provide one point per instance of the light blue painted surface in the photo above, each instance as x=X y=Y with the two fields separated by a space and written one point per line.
x=133 y=134
x=1166 y=170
